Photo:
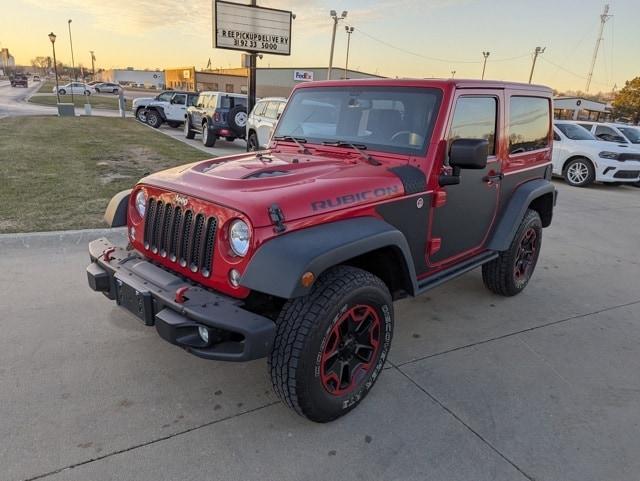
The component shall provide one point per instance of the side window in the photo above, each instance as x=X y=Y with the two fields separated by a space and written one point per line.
x=556 y=137
x=529 y=120
x=179 y=99
x=259 y=110
x=165 y=97
x=475 y=118
x=608 y=134
x=271 y=111
x=586 y=126
x=191 y=100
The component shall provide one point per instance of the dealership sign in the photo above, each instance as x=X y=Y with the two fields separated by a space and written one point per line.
x=302 y=76
x=251 y=29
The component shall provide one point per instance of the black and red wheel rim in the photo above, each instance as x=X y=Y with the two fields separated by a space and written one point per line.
x=350 y=350
x=526 y=255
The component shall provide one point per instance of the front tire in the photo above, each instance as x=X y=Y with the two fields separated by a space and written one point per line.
x=62 y=92
x=331 y=345
x=579 y=172
x=510 y=273
x=154 y=119
x=141 y=116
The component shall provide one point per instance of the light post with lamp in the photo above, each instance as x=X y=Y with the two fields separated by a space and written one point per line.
x=349 y=31
x=73 y=64
x=52 y=38
x=336 y=19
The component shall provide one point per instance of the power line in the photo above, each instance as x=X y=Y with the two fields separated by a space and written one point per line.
x=436 y=59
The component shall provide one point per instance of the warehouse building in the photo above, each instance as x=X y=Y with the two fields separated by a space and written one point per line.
x=131 y=76
x=270 y=82
x=576 y=108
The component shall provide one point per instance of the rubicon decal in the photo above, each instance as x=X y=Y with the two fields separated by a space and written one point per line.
x=354 y=198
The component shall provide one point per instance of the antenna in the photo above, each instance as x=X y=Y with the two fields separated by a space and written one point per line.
x=603 y=19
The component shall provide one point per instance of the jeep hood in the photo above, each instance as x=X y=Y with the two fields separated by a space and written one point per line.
x=302 y=185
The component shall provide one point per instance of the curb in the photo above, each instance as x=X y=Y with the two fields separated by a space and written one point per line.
x=31 y=240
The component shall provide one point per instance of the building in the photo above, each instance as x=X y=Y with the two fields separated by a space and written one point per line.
x=7 y=61
x=576 y=108
x=148 y=78
x=270 y=82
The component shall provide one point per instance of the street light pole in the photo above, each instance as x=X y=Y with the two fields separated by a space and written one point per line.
x=52 y=37
x=93 y=65
x=349 y=31
x=484 y=64
x=536 y=52
x=73 y=64
x=336 y=19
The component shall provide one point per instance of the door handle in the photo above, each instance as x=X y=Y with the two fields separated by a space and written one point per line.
x=493 y=177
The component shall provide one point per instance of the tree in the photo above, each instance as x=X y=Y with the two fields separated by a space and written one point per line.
x=627 y=102
x=41 y=63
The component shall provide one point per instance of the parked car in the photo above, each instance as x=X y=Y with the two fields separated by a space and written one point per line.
x=19 y=81
x=372 y=190
x=107 y=87
x=262 y=120
x=582 y=159
x=139 y=104
x=77 y=88
x=36 y=78
x=171 y=111
x=613 y=132
x=215 y=115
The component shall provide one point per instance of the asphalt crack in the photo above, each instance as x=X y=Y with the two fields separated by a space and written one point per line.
x=148 y=443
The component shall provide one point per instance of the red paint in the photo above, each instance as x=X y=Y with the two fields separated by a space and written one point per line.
x=180 y=294
x=106 y=255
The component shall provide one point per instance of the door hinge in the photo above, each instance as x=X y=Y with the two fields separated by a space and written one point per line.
x=277 y=218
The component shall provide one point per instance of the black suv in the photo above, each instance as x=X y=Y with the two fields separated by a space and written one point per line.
x=215 y=115
x=19 y=81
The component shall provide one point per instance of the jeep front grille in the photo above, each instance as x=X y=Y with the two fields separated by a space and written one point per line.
x=180 y=236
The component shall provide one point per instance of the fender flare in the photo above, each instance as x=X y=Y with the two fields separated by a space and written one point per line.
x=316 y=249
x=116 y=213
x=158 y=109
x=514 y=211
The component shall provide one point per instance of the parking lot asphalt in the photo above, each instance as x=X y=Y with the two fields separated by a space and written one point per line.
x=221 y=148
x=542 y=386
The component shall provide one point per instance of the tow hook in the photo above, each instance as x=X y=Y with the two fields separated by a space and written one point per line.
x=106 y=254
x=180 y=294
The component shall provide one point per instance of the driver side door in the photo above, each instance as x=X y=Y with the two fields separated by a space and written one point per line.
x=462 y=224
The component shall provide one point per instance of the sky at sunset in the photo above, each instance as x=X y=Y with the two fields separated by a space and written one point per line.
x=404 y=38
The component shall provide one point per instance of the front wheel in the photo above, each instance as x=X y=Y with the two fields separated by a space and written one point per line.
x=510 y=273
x=141 y=115
x=331 y=345
x=579 y=172
x=62 y=92
x=154 y=119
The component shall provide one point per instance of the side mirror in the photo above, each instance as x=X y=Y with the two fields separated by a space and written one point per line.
x=465 y=154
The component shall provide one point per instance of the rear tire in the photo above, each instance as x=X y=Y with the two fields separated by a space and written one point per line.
x=331 y=345
x=579 y=172
x=154 y=119
x=510 y=273
x=208 y=139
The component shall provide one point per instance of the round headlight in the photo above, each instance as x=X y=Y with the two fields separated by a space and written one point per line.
x=239 y=237
x=141 y=202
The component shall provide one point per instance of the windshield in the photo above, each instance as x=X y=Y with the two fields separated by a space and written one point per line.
x=633 y=135
x=388 y=119
x=575 y=132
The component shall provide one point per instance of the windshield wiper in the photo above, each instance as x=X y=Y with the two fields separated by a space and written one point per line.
x=357 y=147
x=296 y=140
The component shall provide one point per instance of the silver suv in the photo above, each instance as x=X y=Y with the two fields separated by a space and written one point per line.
x=262 y=121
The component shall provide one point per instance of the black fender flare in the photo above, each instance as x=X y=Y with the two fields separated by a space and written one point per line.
x=116 y=213
x=278 y=265
x=522 y=198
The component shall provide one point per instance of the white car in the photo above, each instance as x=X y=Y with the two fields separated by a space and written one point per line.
x=171 y=111
x=262 y=122
x=76 y=88
x=582 y=159
x=612 y=132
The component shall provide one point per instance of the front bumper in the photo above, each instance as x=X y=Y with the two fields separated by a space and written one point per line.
x=158 y=298
x=609 y=170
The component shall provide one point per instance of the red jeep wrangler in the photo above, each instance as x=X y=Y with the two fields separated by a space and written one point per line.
x=370 y=191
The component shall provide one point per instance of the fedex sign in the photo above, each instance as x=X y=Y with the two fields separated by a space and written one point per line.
x=302 y=76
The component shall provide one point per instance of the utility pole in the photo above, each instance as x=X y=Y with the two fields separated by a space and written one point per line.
x=93 y=65
x=603 y=19
x=73 y=64
x=253 y=62
x=484 y=64
x=349 y=31
x=334 y=15
x=536 y=52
